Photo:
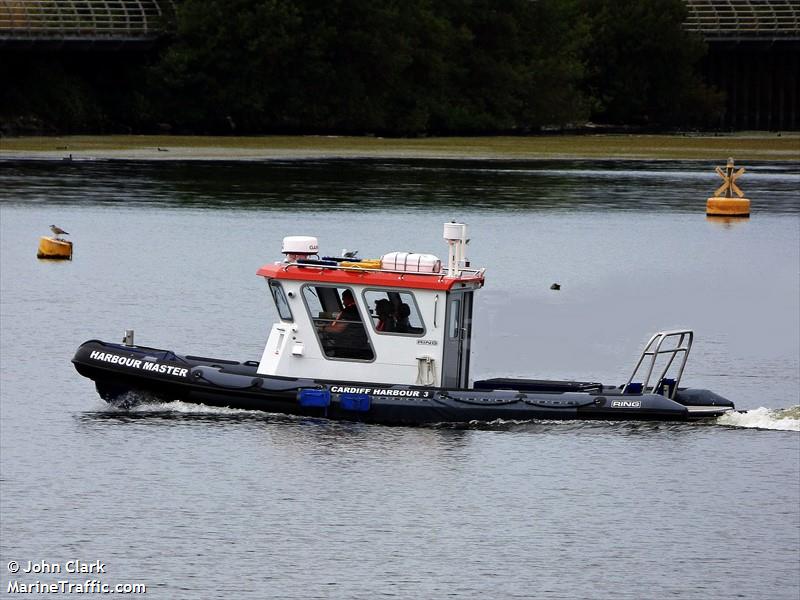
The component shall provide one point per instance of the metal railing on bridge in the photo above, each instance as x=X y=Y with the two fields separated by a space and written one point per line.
x=115 y=20
x=741 y=20
x=86 y=21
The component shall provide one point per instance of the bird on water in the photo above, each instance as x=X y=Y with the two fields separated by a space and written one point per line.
x=58 y=231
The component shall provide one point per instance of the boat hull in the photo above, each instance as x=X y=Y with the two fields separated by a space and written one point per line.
x=121 y=373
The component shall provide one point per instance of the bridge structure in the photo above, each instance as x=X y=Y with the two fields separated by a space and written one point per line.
x=753 y=57
x=754 y=45
x=84 y=24
x=30 y=21
x=744 y=20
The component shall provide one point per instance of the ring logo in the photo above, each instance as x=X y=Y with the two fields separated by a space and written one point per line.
x=626 y=404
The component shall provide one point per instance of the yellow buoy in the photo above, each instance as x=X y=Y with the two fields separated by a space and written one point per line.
x=722 y=203
x=728 y=207
x=50 y=247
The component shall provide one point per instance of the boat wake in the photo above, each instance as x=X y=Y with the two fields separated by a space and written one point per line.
x=775 y=419
x=143 y=404
x=184 y=408
x=781 y=419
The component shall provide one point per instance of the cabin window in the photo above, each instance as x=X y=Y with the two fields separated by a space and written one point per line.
x=453 y=324
x=393 y=312
x=338 y=322
x=281 y=303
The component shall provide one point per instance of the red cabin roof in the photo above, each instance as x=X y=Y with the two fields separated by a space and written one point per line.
x=354 y=276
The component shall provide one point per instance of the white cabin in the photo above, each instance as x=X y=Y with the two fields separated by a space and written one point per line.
x=410 y=323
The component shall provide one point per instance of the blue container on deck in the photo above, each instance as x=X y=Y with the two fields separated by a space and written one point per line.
x=314 y=398
x=355 y=402
x=634 y=388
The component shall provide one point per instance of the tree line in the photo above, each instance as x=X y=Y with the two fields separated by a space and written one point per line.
x=383 y=67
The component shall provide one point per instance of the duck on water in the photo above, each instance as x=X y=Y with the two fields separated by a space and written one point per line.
x=388 y=341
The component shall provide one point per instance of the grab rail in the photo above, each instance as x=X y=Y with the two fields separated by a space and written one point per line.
x=467 y=273
x=654 y=349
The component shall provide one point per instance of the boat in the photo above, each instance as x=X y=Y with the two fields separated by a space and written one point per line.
x=387 y=341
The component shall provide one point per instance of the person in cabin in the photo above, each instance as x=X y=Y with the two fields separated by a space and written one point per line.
x=402 y=324
x=386 y=321
x=348 y=334
x=347 y=315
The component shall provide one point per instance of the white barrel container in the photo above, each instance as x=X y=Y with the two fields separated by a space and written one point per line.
x=411 y=262
x=455 y=232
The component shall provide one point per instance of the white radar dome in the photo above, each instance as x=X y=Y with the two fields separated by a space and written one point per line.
x=299 y=246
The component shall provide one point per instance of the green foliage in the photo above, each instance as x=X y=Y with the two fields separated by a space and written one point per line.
x=404 y=67
x=641 y=64
x=387 y=67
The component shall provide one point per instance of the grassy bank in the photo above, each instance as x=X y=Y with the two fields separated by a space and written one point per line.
x=743 y=147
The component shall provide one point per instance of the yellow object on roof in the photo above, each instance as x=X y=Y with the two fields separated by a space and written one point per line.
x=367 y=263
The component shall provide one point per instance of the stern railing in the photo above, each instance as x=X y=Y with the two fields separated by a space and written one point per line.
x=654 y=349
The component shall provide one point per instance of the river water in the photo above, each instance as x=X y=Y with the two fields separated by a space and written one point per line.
x=195 y=502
